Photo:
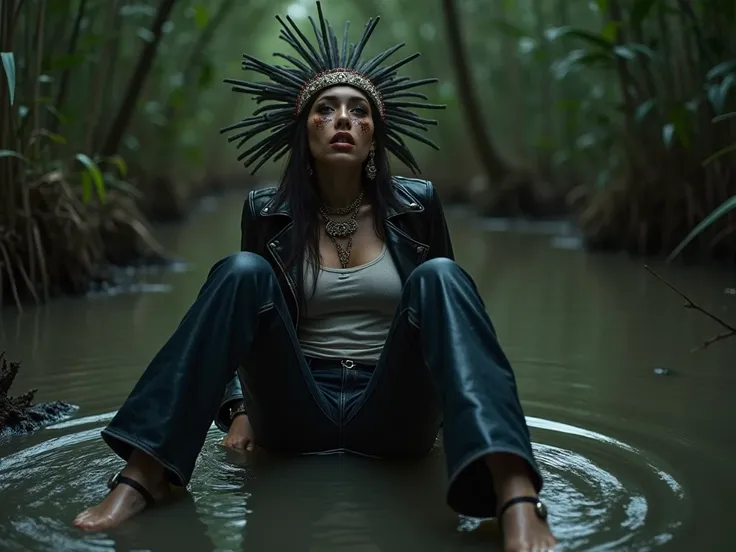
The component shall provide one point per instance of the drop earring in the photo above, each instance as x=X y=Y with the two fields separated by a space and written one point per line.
x=310 y=172
x=370 y=167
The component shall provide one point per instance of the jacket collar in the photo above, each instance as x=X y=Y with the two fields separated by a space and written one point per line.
x=405 y=203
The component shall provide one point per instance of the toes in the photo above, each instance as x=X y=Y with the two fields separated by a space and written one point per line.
x=81 y=517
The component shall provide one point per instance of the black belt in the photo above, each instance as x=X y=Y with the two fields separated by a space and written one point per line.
x=338 y=364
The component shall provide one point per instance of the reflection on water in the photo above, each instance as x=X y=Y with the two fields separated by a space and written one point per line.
x=632 y=460
x=331 y=501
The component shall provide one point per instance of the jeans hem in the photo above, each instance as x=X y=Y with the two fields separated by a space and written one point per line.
x=473 y=457
x=180 y=480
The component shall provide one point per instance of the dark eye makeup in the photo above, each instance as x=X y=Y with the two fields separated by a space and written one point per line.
x=325 y=106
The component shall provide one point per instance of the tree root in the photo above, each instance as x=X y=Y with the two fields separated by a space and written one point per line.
x=19 y=414
x=641 y=219
x=690 y=304
x=63 y=245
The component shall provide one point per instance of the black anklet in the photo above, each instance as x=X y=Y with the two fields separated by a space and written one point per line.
x=539 y=508
x=117 y=479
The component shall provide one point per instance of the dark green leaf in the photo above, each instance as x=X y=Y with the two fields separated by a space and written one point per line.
x=624 y=52
x=120 y=163
x=643 y=109
x=580 y=58
x=721 y=69
x=668 y=133
x=93 y=172
x=720 y=153
x=581 y=34
x=56 y=113
x=126 y=187
x=86 y=188
x=721 y=210
x=56 y=138
x=725 y=88
x=610 y=31
x=10 y=153
x=724 y=117
x=9 y=66
x=146 y=34
x=630 y=51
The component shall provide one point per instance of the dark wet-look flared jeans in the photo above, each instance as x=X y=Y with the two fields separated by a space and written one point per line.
x=441 y=365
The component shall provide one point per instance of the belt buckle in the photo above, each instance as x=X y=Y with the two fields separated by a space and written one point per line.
x=347 y=364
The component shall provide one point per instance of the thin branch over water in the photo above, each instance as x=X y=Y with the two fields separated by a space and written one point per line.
x=690 y=304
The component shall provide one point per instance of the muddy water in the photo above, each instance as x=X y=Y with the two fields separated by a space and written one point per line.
x=633 y=460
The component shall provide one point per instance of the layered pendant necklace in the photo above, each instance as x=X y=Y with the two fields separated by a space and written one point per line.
x=342 y=229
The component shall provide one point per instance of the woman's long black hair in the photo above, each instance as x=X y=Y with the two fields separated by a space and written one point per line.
x=300 y=190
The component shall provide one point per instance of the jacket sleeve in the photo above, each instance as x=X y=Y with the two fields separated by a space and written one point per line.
x=440 y=244
x=234 y=390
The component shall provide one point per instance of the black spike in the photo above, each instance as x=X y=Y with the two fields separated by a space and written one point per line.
x=399 y=84
x=371 y=64
x=411 y=134
x=278 y=94
x=308 y=53
x=279 y=108
x=395 y=67
x=325 y=35
x=301 y=66
x=401 y=112
x=367 y=32
x=324 y=61
x=398 y=121
x=400 y=94
x=275 y=137
x=275 y=148
x=334 y=48
x=402 y=153
x=306 y=42
x=344 y=53
x=416 y=105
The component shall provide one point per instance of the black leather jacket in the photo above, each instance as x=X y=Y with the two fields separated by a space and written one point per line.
x=415 y=231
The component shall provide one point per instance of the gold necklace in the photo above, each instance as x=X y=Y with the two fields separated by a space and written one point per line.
x=342 y=229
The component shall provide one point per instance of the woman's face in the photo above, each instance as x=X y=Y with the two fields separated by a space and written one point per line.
x=340 y=127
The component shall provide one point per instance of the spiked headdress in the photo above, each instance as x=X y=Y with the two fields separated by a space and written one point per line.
x=291 y=88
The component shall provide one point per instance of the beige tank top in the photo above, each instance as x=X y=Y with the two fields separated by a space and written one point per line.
x=351 y=310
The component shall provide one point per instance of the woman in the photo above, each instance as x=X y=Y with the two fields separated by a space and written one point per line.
x=345 y=319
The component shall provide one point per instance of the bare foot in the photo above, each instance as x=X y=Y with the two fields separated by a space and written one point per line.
x=123 y=502
x=524 y=531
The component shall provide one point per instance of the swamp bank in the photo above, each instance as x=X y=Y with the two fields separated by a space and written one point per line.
x=20 y=414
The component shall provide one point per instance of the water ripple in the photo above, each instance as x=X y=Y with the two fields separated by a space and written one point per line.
x=595 y=503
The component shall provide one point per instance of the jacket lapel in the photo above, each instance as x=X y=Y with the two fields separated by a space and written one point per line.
x=406 y=251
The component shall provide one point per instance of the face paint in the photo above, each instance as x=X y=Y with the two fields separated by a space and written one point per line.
x=363 y=125
x=320 y=121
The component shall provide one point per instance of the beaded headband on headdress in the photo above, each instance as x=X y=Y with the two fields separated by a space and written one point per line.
x=291 y=88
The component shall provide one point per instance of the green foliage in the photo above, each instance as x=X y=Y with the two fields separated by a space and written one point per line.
x=638 y=87
x=720 y=211
x=8 y=60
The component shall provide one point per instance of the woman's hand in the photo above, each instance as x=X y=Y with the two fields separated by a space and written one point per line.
x=240 y=434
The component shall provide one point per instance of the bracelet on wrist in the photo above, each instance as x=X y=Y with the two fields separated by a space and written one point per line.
x=237 y=409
